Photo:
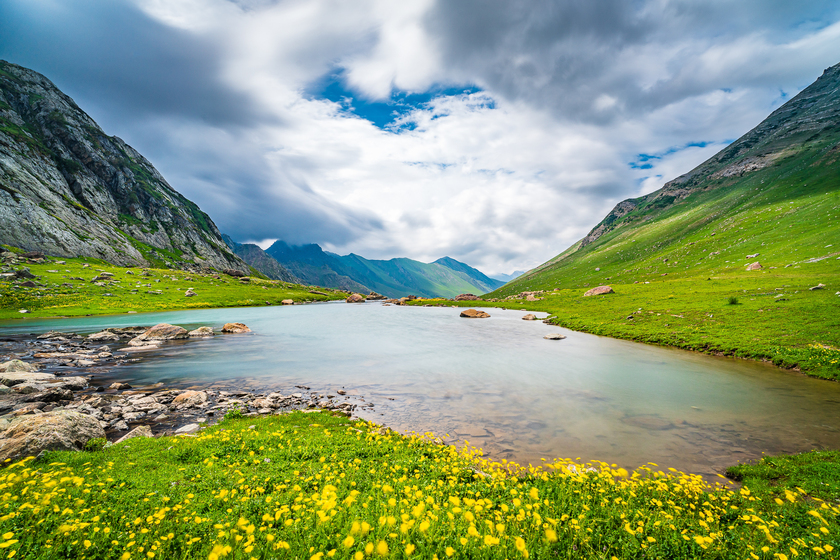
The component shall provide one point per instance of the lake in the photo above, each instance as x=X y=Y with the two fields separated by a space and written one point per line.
x=497 y=383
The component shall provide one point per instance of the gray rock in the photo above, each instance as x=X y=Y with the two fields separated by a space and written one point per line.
x=17 y=366
x=817 y=287
x=14 y=378
x=188 y=429
x=120 y=425
x=554 y=336
x=103 y=336
x=28 y=436
x=139 y=431
x=119 y=386
x=201 y=332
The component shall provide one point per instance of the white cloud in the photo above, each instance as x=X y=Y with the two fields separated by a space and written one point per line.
x=503 y=179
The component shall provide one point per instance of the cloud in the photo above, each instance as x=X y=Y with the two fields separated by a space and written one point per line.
x=495 y=132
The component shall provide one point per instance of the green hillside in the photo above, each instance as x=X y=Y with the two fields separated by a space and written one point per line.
x=676 y=256
x=445 y=277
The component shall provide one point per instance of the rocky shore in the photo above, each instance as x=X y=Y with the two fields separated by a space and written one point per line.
x=60 y=390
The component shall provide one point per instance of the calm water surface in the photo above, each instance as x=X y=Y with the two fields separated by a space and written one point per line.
x=498 y=384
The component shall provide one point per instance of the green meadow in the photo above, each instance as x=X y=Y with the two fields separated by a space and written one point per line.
x=314 y=486
x=68 y=289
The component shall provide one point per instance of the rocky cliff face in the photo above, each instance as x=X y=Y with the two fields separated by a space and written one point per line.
x=810 y=118
x=69 y=189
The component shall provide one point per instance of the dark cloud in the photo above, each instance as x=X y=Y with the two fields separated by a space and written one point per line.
x=564 y=54
x=116 y=60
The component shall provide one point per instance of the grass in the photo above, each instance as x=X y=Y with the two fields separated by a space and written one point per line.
x=817 y=472
x=128 y=290
x=315 y=486
x=676 y=268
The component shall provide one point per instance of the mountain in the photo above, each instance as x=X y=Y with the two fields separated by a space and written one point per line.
x=508 y=277
x=445 y=277
x=773 y=194
x=264 y=263
x=69 y=189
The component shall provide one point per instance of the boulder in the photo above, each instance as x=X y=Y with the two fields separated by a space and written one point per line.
x=139 y=431
x=16 y=377
x=189 y=293
x=599 y=290
x=288 y=302
x=16 y=366
x=235 y=328
x=466 y=297
x=61 y=430
x=24 y=273
x=120 y=386
x=754 y=266
x=554 y=336
x=103 y=336
x=128 y=332
x=233 y=272
x=529 y=317
x=190 y=398
x=532 y=297
x=355 y=298
x=474 y=314
x=819 y=286
x=201 y=331
x=161 y=332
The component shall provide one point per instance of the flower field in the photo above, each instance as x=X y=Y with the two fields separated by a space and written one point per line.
x=312 y=485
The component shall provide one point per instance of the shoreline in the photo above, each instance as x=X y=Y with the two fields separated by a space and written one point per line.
x=58 y=371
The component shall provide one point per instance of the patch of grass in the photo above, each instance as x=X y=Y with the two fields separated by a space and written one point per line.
x=816 y=472
x=318 y=486
x=732 y=300
x=674 y=271
x=129 y=289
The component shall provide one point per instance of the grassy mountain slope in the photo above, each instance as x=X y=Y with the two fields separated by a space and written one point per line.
x=676 y=256
x=395 y=277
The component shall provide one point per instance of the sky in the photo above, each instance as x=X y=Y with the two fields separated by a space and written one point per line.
x=494 y=132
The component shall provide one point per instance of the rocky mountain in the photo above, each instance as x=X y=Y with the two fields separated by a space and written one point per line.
x=445 y=277
x=69 y=189
x=771 y=195
x=260 y=260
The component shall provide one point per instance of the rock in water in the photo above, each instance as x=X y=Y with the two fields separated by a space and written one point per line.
x=201 y=331
x=103 y=336
x=355 y=298
x=235 y=328
x=16 y=366
x=474 y=314
x=554 y=336
x=61 y=430
x=163 y=331
x=599 y=290
x=529 y=317
x=754 y=266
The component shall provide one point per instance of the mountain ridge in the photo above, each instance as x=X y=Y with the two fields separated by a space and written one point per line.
x=69 y=189
x=396 y=277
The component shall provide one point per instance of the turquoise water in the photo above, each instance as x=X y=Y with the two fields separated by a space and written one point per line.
x=498 y=384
